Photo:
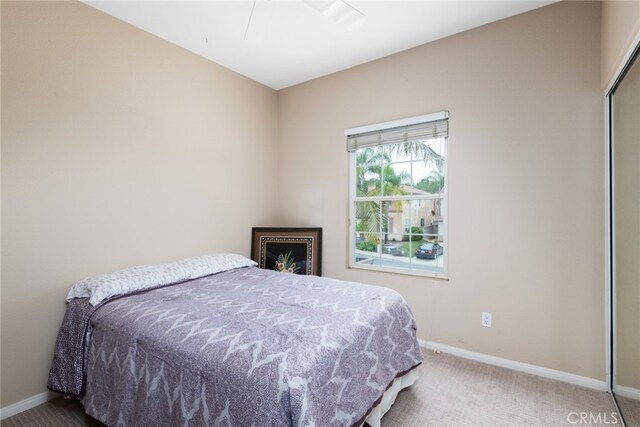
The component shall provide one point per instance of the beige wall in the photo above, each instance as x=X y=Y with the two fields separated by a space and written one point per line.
x=118 y=149
x=620 y=25
x=526 y=180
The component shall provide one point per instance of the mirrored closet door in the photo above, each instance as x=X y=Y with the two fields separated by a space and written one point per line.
x=624 y=102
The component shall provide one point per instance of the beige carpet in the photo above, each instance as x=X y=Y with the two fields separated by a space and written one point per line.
x=457 y=392
x=450 y=392
x=630 y=410
x=55 y=413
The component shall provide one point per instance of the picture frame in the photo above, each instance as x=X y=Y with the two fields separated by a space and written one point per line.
x=295 y=250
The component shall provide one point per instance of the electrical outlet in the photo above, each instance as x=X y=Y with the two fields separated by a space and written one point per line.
x=486 y=319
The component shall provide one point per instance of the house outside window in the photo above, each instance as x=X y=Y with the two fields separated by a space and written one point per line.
x=398 y=196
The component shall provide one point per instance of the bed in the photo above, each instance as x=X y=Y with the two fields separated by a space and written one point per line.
x=216 y=341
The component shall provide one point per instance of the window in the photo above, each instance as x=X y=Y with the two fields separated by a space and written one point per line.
x=398 y=196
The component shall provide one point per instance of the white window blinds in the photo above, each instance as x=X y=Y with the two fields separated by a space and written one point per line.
x=427 y=127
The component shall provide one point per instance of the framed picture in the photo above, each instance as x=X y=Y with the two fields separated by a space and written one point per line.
x=286 y=249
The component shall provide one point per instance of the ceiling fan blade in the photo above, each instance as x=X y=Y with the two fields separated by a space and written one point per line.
x=259 y=20
x=340 y=12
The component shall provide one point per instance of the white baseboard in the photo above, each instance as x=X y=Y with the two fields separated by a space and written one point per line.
x=629 y=392
x=25 y=404
x=517 y=366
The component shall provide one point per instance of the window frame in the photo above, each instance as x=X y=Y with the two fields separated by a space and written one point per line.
x=444 y=196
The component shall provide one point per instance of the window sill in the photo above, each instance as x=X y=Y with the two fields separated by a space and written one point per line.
x=426 y=274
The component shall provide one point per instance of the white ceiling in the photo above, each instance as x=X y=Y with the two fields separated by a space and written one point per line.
x=290 y=42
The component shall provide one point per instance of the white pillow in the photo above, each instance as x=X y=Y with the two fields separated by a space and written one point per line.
x=105 y=286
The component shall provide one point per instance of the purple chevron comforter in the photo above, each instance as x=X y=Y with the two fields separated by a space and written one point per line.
x=239 y=348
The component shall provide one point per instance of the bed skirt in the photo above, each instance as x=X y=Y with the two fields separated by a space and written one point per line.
x=389 y=396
